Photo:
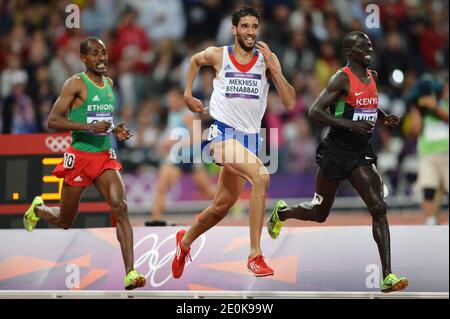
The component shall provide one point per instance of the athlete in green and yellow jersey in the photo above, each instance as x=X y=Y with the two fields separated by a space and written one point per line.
x=85 y=106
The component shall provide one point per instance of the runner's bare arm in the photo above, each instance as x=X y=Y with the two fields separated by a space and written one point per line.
x=210 y=56
x=337 y=87
x=284 y=89
x=120 y=131
x=57 y=118
x=387 y=119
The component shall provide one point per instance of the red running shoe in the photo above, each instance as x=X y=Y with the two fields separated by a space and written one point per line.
x=258 y=266
x=181 y=256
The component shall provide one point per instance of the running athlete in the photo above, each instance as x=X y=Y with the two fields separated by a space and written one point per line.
x=88 y=102
x=346 y=153
x=237 y=105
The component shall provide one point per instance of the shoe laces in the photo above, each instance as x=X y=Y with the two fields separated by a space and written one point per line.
x=187 y=253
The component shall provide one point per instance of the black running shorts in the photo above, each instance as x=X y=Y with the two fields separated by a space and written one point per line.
x=337 y=162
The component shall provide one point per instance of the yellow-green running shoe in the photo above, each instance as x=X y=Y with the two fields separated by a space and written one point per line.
x=134 y=280
x=274 y=223
x=29 y=218
x=393 y=283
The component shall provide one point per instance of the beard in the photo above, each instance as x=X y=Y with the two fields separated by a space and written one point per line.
x=243 y=45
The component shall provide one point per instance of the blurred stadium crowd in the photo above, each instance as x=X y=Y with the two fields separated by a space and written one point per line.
x=150 y=43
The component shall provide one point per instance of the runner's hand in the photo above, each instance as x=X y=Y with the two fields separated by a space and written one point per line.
x=268 y=56
x=122 y=132
x=195 y=105
x=391 y=120
x=100 y=126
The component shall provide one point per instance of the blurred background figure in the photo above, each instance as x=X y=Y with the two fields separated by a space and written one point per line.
x=181 y=124
x=429 y=122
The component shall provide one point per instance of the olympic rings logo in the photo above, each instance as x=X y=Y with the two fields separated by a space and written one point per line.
x=58 y=143
x=153 y=259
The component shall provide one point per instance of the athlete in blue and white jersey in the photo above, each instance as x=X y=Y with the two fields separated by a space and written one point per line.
x=237 y=104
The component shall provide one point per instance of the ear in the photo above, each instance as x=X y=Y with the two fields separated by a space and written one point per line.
x=83 y=58
x=347 y=51
x=234 y=30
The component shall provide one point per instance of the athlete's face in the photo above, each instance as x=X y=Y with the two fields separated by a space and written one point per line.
x=246 y=32
x=362 y=51
x=97 y=58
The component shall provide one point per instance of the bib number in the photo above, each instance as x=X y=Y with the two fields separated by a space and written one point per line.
x=98 y=117
x=365 y=115
x=243 y=85
x=69 y=160
x=112 y=154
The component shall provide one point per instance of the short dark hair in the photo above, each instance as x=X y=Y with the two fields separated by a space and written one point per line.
x=84 y=45
x=243 y=12
x=351 y=37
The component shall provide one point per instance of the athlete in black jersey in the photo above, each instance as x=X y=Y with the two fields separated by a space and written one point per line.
x=346 y=153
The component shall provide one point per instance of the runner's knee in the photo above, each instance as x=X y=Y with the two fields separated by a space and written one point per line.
x=379 y=209
x=321 y=215
x=120 y=208
x=220 y=209
x=261 y=181
x=66 y=217
x=320 y=209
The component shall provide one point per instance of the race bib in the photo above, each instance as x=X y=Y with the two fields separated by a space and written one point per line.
x=370 y=115
x=112 y=154
x=242 y=85
x=93 y=117
x=69 y=160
